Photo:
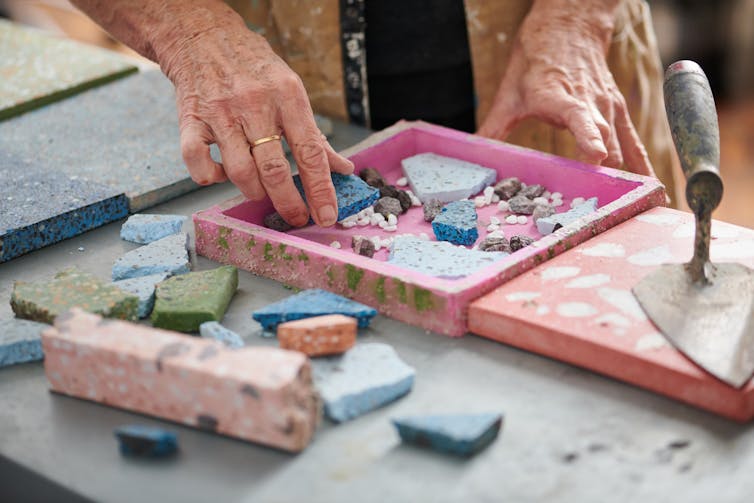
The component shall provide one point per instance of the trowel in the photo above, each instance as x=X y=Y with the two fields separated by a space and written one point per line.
x=704 y=309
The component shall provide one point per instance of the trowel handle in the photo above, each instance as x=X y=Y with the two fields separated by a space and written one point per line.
x=693 y=123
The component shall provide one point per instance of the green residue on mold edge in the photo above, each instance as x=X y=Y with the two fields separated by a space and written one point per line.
x=353 y=276
x=400 y=287
x=222 y=234
x=302 y=257
x=268 y=251
x=379 y=289
x=251 y=243
x=423 y=299
x=283 y=255
x=330 y=275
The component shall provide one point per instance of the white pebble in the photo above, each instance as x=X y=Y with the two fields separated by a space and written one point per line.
x=335 y=244
x=414 y=200
x=511 y=219
x=373 y=220
x=363 y=221
x=382 y=224
x=495 y=198
x=377 y=242
x=496 y=234
x=523 y=185
x=424 y=236
x=479 y=201
x=390 y=228
x=522 y=219
x=557 y=203
x=488 y=193
x=387 y=242
x=503 y=206
x=494 y=220
x=81 y=248
x=556 y=195
x=546 y=194
x=401 y=182
x=348 y=223
x=577 y=201
x=361 y=215
x=540 y=200
x=392 y=220
x=369 y=211
x=492 y=227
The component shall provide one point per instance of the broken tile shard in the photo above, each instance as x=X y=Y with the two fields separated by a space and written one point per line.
x=318 y=336
x=20 y=341
x=166 y=255
x=433 y=176
x=365 y=378
x=145 y=228
x=260 y=394
x=214 y=330
x=547 y=225
x=184 y=302
x=142 y=287
x=44 y=300
x=458 y=434
x=439 y=258
x=146 y=441
x=352 y=192
x=456 y=223
x=310 y=303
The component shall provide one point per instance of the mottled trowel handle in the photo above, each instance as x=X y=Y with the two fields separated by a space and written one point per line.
x=693 y=123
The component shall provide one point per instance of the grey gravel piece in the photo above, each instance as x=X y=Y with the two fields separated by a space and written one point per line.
x=543 y=211
x=388 y=206
x=432 y=208
x=532 y=191
x=520 y=241
x=507 y=187
x=522 y=205
x=495 y=244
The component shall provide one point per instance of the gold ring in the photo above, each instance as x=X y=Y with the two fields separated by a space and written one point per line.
x=258 y=142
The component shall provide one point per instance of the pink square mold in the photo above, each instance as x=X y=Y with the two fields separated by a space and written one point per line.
x=232 y=232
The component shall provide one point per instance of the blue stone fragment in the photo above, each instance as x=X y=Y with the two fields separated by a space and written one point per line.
x=20 y=341
x=143 y=287
x=364 y=378
x=146 y=441
x=439 y=258
x=310 y=303
x=456 y=223
x=166 y=255
x=214 y=330
x=446 y=179
x=459 y=434
x=144 y=228
x=352 y=192
x=547 y=225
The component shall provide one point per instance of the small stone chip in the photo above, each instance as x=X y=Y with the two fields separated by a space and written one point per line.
x=405 y=200
x=214 y=330
x=389 y=191
x=542 y=211
x=275 y=222
x=495 y=244
x=520 y=241
x=20 y=341
x=372 y=177
x=532 y=191
x=521 y=205
x=432 y=208
x=388 y=206
x=401 y=182
x=318 y=336
x=145 y=441
x=507 y=188
x=184 y=302
x=363 y=246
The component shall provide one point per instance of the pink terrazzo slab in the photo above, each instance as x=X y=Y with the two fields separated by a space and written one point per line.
x=232 y=232
x=259 y=394
x=579 y=308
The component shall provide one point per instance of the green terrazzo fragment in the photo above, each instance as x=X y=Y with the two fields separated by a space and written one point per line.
x=44 y=300
x=184 y=302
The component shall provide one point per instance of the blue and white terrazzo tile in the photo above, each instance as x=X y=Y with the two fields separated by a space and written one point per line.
x=439 y=258
x=20 y=341
x=167 y=255
x=143 y=287
x=459 y=434
x=433 y=176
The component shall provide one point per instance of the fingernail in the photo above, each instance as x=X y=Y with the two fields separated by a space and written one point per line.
x=598 y=146
x=327 y=215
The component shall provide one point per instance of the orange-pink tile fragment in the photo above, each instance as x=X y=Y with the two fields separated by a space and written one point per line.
x=258 y=394
x=320 y=335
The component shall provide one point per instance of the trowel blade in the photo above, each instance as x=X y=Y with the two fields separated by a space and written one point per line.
x=712 y=324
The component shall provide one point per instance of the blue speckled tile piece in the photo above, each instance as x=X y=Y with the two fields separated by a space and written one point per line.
x=146 y=441
x=37 y=68
x=547 y=225
x=459 y=434
x=433 y=176
x=123 y=135
x=364 y=378
x=456 y=223
x=20 y=341
x=214 y=330
x=439 y=258
x=143 y=287
x=167 y=255
x=144 y=228
x=353 y=194
x=40 y=206
x=310 y=303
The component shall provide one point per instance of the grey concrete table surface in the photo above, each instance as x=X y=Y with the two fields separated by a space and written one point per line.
x=569 y=435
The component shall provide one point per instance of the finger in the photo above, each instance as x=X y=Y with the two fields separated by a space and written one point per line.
x=238 y=162
x=634 y=153
x=313 y=164
x=588 y=137
x=275 y=175
x=196 y=138
x=614 y=157
x=338 y=163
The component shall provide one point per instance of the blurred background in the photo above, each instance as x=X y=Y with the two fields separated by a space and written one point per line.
x=719 y=35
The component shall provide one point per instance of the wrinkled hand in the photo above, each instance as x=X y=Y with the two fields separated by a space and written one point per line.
x=558 y=73
x=231 y=90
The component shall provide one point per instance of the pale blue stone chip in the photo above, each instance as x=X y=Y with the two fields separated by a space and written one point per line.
x=547 y=225
x=214 y=330
x=20 y=341
x=144 y=228
x=459 y=434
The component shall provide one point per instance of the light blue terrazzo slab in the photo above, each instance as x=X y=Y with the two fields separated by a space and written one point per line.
x=144 y=228
x=143 y=287
x=20 y=341
x=167 y=255
x=439 y=258
x=459 y=434
x=364 y=378
x=214 y=330
x=433 y=176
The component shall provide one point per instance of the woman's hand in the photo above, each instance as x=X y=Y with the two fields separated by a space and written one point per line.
x=558 y=73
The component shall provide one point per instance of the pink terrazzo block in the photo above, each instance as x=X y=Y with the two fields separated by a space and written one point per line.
x=263 y=395
x=579 y=308
x=331 y=334
x=233 y=232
